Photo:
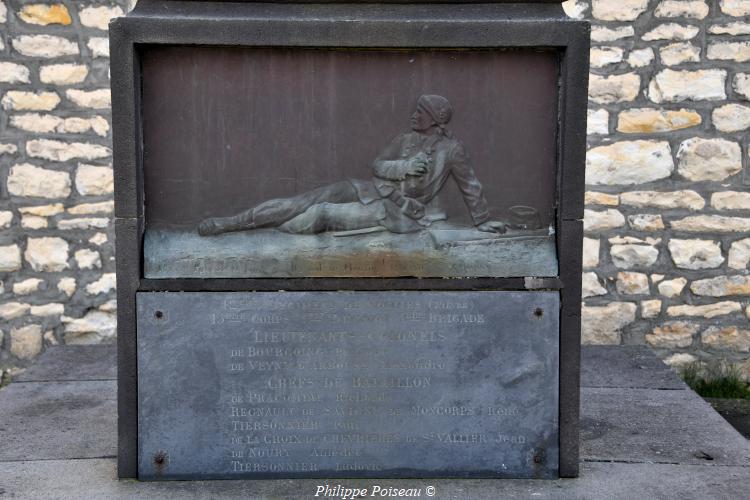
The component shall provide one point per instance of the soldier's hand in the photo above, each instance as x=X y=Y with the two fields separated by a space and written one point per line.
x=493 y=226
x=417 y=165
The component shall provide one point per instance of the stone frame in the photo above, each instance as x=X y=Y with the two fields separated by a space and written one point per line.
x=356 y=26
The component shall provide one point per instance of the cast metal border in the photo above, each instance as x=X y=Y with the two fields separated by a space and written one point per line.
x=357 y=26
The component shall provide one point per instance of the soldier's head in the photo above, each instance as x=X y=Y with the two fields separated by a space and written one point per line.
x=432 y=111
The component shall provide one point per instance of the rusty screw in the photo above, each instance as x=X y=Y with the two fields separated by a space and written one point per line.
x=158 y=315
x=538 y=312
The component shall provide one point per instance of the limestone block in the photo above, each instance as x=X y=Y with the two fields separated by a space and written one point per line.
x=45 y=46
x=722 y=286
x=630 y=283
x=94 y=99
x=680 y=359
x=591 y=286
x=47 y=254
x=700 y=159
x=34 y=122
x=663 y=199
x=735 y=28
x=648 y=120
x=604 y=56
x=10 y=258
x=103 y=207
x=729 y=51
x=641 y=58
x=28 y=180
x=13 y=73
x=672 y=288
x=26 y=287
x=99 y=46
x=646 y=222
x=84 y=223
x=650 y=308
x=30 y=101
x=602 y=220
x=6 y=218
x=695 y=254
x=629 y=162
x=67 y=286
x=672 y=335
x=712 y=224
x=603 y=325
x=94 y=327
x=728 y=337
x=34 y=222
x=92 y=180
x=614 y=88
x=618 y=10
x=100 y=239
x=575 y=9
x=45 y=14
x=607 y=34
x=735 y=8
x=26 y=342
x=75 y=125
x=590 y=252
x=731 y=200
x=630 y=256
x=88 y=259
x=731 y=117
x=53 y=309
x=42 y=210
x=597 y=122
x=739 y=254
x=705 y=311
x=741 y=85
x=596 y=198
x=63 y=74
x=8 y=149
x=679 y=53
x=3 y=12
x=63 y=151
x=671 y=31
x=13 y=310
x=109 y=306
x=693 y=9
x=676 y=86
x=99 y=16
x=105 y=284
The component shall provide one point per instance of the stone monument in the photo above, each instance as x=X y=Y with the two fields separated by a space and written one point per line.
x=348 y=238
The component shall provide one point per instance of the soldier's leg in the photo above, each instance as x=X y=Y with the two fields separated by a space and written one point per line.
x=275 y=212
x=323 y=217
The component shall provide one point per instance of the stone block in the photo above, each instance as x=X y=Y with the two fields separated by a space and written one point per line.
x=614 y=88
x=741 y=85
x=726 y=338
x=629 y=162
x=99 y=16
x=590 y=252
x=640 y=58
x=105 y=284
x=618 y=10
x=591 y=286
x=597 y=122
x=611 y=34
x=672 y=335
x=646 y=222
x=47 y=310
x=29 y=101
x=695 y=254
x=729 y=51
x=693 y=9
x=596 y=198
x=630 y=256
x=705 y=311
x=47 y=254
x=93 y=99
x=676 y=86
x=671 y=31
x=648 y=120
x=29 y=180
x=650 y=308
x=734 y=29
x=26 y=342
x=63 y=151
x=712 y=224
x=26 y=287
x=45 y=14
x=721 y=286
x=736 y=8
x=99 y=46
x=739 y=254
x=44 y=46
x=13 y=73
x=88 y=259
x=91 y=180
x=731 y=200
x=13 y=310
x=603 y=325
x=604 y=56
x=63 y=74
x=700 y=159
x=672 y=288
x=630 y=283
x=679 y=53
x=602 y=220
x=731 y=117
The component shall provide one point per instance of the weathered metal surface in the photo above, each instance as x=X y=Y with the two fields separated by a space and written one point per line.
x=265 y=253
x=348 y=384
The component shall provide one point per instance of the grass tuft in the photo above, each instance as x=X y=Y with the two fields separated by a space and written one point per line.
x=716 y=380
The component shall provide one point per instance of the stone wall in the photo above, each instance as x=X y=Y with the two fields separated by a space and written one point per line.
x=667 y=208
x=667 y=218
x=56 y=236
